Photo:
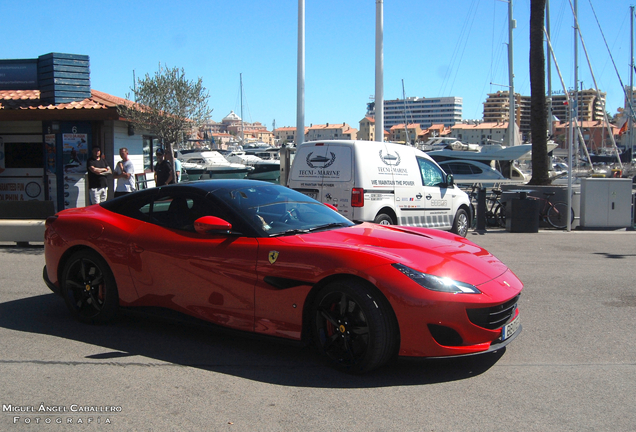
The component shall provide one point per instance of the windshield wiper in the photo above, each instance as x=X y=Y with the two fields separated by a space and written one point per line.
x=290 y=232
x=327 y=226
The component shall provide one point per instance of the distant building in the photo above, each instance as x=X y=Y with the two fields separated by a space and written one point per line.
x=497 y=108
x=479 y=133
x=367 y=129
x=436 y=130
x=398 y=133
x=287 y=134
x=595 y=133
x=591 y=107
x=231 y=124
x=423 y=111
x=339 y=131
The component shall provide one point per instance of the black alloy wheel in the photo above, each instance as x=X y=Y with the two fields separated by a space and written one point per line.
x=353 y=329
x=89 y=288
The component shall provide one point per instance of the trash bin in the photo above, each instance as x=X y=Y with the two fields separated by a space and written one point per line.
x=522 y=214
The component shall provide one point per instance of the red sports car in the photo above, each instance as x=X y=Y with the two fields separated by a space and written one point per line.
x=263 y=258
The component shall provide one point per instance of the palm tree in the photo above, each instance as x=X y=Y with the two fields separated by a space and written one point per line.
x=538 y=109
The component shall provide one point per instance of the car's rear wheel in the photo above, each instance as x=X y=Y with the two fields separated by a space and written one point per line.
x=461 y=223
x=353 y=328
x=88 y=288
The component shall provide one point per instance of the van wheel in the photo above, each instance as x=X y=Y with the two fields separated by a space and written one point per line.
x=460 y=224
x=383 y=219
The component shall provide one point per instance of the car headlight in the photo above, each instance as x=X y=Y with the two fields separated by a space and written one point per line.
x=436 y=283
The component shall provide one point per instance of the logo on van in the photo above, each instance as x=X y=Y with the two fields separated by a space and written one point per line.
x=320 y=161
x=391 y=159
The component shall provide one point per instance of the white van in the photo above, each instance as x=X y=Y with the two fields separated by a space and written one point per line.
x=385 y=183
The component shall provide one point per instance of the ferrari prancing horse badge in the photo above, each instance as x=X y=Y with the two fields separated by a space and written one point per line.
x=273 y=256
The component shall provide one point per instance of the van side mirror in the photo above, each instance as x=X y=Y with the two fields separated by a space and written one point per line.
x=450 y=181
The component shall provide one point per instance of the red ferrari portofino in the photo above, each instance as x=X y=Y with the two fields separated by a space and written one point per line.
x=263 y=258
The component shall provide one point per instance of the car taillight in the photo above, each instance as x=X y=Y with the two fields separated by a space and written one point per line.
x=357 y=197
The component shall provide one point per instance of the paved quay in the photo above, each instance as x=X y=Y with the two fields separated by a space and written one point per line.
x=573 y=368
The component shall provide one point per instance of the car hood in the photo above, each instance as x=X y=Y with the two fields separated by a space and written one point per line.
x=430 y=251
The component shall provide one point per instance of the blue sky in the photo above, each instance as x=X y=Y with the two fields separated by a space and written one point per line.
x=439 y=48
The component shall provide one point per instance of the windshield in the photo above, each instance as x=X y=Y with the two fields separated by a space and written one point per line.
x=276 y=210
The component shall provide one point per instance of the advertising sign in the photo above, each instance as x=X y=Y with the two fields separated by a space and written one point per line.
x=19 y=74
x=21 y=189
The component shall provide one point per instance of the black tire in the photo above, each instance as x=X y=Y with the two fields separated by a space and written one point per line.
x=383 y=219
x=89 y=289
x=353 y=327
x=461 y=223
x=500 y=215
x=557 y=215
x=491 y=219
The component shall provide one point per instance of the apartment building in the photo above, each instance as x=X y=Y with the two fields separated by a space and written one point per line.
x=398 y=133
x=423 y=111
x=497 y=110
x=287 y=134
x=479 y=133
x=338 y=131
x=590 y=106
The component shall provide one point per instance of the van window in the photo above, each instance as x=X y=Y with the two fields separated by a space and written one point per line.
x=431 y=174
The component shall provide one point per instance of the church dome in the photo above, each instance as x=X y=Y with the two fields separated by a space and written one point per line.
x=231 y=118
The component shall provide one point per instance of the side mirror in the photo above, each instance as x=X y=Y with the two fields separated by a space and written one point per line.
x=206 y=224
x=450 y=180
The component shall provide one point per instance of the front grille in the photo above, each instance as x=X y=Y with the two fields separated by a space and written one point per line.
x=493 y=317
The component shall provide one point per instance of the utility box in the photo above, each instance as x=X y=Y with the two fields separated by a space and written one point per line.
x=522 y=215
x=606 y=203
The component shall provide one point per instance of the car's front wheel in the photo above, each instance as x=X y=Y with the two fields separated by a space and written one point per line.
x=88 y=288
x=353 y=327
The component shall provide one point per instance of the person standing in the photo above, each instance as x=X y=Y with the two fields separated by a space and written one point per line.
x=177 y=168
x=98 y=169
x=125 y=174
x=163 y=169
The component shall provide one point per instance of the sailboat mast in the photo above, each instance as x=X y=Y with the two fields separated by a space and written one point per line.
x=242 y=127
x=631 y=81
x=511 y=75
x=575 y=109
x=549 y=68
x=406 y=128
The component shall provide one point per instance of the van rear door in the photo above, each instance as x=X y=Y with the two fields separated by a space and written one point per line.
x=324 y=171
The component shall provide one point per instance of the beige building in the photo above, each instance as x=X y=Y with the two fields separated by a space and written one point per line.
x=397 y=133
x=591 y=107
x=367 y=129
x=479 y=133
x=497 y=109
x=287 y=134
x=338 y=131
x=436 y=130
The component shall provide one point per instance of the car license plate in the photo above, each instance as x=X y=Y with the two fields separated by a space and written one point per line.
x=312 y=195
x=510 y=328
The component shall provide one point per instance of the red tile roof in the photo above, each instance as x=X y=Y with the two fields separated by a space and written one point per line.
x=30 y=100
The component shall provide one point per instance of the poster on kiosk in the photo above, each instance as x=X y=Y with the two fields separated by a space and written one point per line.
x=75 y=154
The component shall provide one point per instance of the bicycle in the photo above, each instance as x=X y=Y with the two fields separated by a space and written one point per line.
x=553 y=213
x=495 y=209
